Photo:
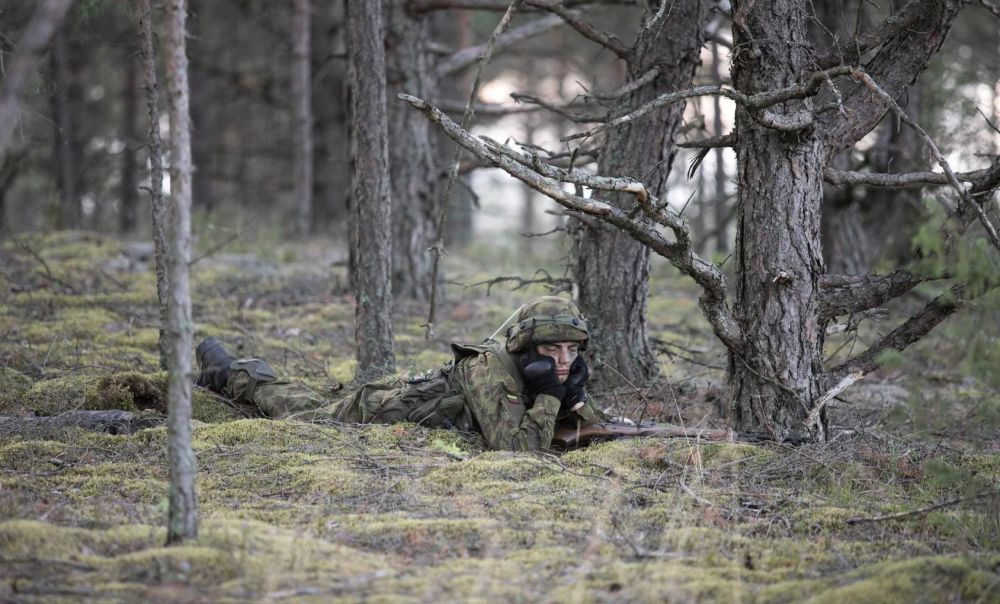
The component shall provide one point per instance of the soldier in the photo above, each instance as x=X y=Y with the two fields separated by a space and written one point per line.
x=513 y=394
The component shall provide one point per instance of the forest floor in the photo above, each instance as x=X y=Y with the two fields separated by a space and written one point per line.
x=901 y=505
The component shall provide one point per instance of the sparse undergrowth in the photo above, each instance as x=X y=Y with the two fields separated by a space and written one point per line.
x=294 y=511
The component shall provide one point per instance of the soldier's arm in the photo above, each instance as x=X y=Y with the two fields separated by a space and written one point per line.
x=502 y=411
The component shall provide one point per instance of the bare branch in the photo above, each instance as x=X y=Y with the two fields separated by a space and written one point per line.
x=867 y=80
x=850 y=52
x=585 y=29
x=679 y=253
x=916 y=327
x=488 y=109
x=844 y=294
x=993 y=8
x=438 y=248
x=467 y=57
x=904 y=179
x=760 y=100
x=423 y=6
x=560 y=108
x=726 y=140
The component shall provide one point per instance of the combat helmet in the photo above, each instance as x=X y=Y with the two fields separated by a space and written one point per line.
x=544 y=320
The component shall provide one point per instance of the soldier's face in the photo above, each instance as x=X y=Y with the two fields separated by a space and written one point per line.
x=564 y=354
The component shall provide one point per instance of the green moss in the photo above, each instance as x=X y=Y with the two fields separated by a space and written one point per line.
x=13 y=386
x=31 y=456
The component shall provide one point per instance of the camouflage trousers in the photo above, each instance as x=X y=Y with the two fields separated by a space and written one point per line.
x=430 y=401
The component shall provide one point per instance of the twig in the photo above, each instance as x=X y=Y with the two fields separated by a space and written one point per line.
x=438 y=248
x=921 y=511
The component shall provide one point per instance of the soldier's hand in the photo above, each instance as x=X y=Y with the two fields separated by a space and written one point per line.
x=576 y=392
x=540 y=377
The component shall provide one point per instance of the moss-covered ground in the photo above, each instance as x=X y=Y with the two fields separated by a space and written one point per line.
x=307 y=512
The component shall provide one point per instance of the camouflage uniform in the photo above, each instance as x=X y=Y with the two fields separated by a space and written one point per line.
x=482 y=389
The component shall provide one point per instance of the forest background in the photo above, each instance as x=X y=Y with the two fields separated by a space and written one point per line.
x=271 y=275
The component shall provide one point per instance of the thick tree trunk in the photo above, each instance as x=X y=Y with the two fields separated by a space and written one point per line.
x=371 y=249
x=612 y=269
x=414 y=159
x=302 y=136
x=45 y=22
x=157 y=206
x=66 y=162
x=779 y=254
x=183 y=514
x=128 y=206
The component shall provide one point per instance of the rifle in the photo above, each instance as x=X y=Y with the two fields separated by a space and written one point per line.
x=585 y=434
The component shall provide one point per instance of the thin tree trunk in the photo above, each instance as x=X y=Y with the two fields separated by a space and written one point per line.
x=183 y=515
x=371 y=210
x=45 y=22
x=612 y=269
x=303 y=121
x=66 y=161
x=414 y=158
x=129 y=192
x=157 y=205
x=720 y=205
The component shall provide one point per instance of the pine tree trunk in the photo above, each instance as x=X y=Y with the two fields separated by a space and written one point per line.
x=302 y=137
x=720 y=204
x=612 y=269
x=778 y=249
x=371 y=231
x=127 y=214
x=414 y=159
x=183 y=514
x=157 y=205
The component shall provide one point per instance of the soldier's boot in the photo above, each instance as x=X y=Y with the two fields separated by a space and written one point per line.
x=253 y=381
x=214 y=363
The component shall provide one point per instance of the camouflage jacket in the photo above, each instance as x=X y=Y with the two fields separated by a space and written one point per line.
x=489 y=380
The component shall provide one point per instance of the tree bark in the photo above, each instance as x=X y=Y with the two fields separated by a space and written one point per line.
x=612 y=269
x=414 y=155
x=371 y=210
x=45 y=22
x=779 y=305
x=127 y=210
x=303 y=121
x=157 y=205
x=721 y=206
x=67 y=160
x=779 y=255
x=183 y=515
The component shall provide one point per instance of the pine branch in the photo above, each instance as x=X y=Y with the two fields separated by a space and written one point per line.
x=547 y=180
x=468 y=57
x=847 y=294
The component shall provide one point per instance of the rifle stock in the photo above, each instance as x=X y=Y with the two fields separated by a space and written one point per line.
x=584 y=434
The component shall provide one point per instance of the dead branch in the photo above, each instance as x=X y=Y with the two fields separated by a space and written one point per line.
x=813 y=419
x=846 y=294
x=423 y=6
x=905 y=179
x=993 y=8
x=438 y=248
x=488 y=109
x=872 y=85
x=850 y=52
x=757 y=101
x=559 y=108
x=546 y=179
x=467 y=57
x=726 y=140
x=575 y=20
x=921 y=511
x=913 y=329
